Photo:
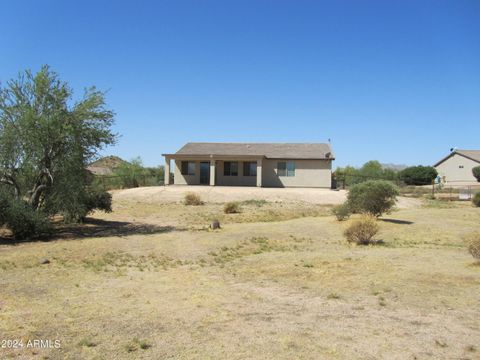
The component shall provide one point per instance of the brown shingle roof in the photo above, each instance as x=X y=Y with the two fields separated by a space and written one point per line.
x=471 y=154
x=269 y=150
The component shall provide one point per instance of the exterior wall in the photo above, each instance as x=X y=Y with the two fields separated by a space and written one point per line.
x=220 y=179
x=450 y=169
x=239 y=180
x=179 y=179
x=308 y=173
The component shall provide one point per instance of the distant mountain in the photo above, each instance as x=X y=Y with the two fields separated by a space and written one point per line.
x=395 y=167
x=105 y=165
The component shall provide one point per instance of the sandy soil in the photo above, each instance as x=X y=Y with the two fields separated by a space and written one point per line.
x=221 y=194
x=278 y=281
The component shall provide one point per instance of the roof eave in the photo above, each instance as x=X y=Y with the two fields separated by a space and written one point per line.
x=453 y=153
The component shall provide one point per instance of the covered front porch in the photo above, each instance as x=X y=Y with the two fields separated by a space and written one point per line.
x=215 y=170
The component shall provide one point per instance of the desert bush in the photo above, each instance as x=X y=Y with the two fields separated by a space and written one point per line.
x=418 y=175
x=373 y=197
x=5 y=201
x=362 y=231
x=232 y=207
x=476 y=199
x=192 y=198
x=21 y=218
x=91 y=200
x=341 y=212
x=99 y=200
x=473 y=245
x=26 y=223
x=476 y=172
x=256 y=202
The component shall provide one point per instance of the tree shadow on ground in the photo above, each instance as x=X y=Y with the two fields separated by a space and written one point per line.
x=396 y=221
x=93 y=228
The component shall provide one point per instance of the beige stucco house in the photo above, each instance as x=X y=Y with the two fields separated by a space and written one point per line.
x=456 y=167
x=252 y=164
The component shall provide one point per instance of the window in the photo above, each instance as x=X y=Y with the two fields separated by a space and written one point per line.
x=188 y=167
x=290 y=168
x=250 y=168
x=286 y=168
x=230 y=168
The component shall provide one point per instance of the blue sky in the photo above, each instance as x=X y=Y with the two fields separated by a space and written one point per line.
x=396 y=81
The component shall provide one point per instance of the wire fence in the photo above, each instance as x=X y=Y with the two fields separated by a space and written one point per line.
x=432 y=189
x=344 y=181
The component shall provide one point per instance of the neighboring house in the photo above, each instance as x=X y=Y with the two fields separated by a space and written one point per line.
x=456 y=168
x=252 y=164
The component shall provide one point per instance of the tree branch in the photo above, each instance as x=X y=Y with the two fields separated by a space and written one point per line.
x=9 y=180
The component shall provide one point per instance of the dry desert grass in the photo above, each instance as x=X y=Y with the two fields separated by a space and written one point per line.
x=278 y=281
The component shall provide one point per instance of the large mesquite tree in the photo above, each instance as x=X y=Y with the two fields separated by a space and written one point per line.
x=47 y=139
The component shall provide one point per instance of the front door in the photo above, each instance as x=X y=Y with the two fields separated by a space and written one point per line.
x=205 y=173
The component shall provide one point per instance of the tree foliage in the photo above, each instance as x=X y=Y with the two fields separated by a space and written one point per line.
x=476 y=199
x=47 y=139
x=371 y=170
x=476 y=172
x=21 y=219
x=418 y=175
x=373 y=197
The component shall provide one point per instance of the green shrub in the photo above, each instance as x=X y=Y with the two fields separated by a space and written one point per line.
x=476 y=172
x=362 y=231
x=5 y=201
x=232 y=207
x=476 y=199
x=192 y=198
x=26 y=223
x=373 y=197
x=418 y=175
x=21 y=219
x=473 y=244
x=99 y=200
x=341 y=212
x=92 y=200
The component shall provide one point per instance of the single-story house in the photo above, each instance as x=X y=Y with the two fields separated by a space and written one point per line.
x=252 y=164
x=456 y=167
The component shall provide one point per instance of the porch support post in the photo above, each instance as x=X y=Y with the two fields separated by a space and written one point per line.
x=259 y=172
x=212 y=172
x=166 y=171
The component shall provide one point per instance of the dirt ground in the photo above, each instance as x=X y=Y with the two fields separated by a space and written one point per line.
x=278 y=281
x=221 y=194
